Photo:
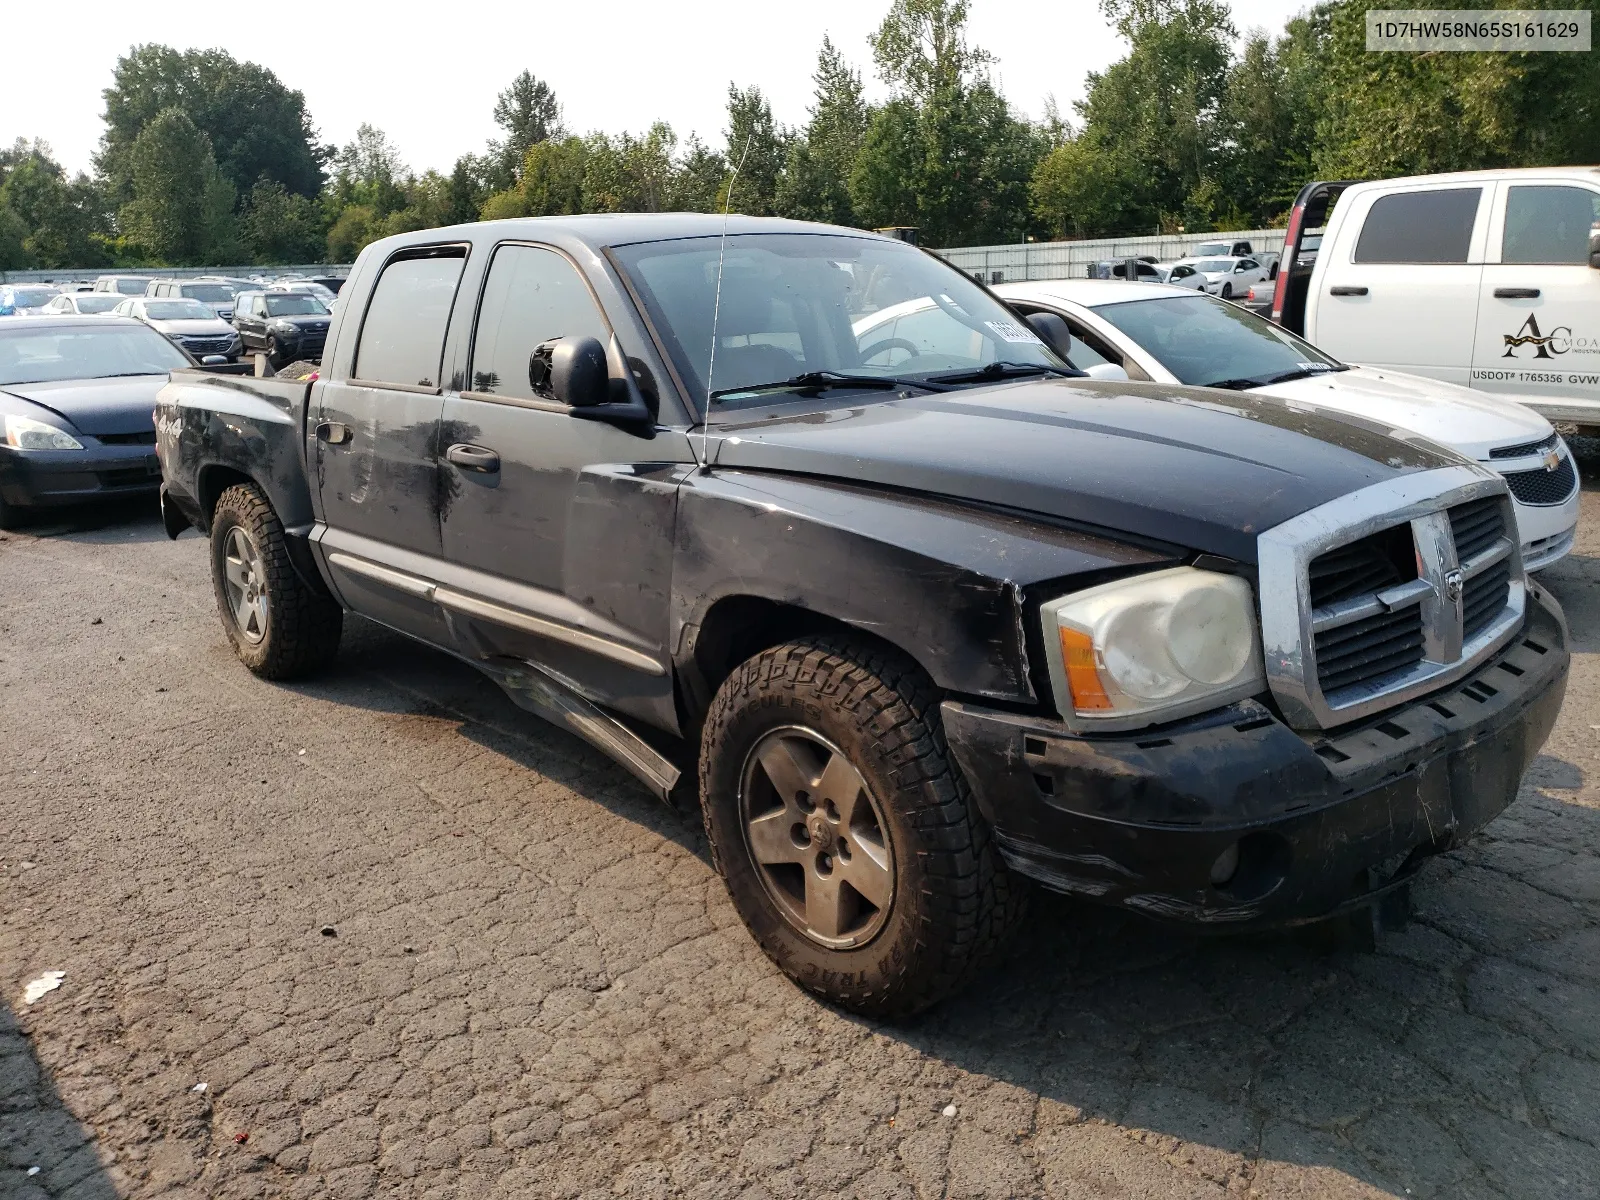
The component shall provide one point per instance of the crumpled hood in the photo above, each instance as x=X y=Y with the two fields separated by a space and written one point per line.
x=1204 y=470
x=1472 y=423
x=97 y=406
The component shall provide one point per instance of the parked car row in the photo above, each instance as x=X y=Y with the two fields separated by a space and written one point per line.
x=209 y=317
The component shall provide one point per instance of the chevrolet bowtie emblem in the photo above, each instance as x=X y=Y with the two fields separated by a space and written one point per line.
x=1453 y=583
x=1552 y=461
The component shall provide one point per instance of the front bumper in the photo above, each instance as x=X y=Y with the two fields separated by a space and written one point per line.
x=42 y=478
x=1319 y=824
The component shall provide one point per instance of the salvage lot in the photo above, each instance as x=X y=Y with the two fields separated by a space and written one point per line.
x=534 y=985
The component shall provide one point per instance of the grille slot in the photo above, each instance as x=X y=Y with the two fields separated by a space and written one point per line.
x=1524 y=449
x=1543 y=487
x=1365 y=651
x=1477 y=525
x=1358 y=569
x=1483 y=598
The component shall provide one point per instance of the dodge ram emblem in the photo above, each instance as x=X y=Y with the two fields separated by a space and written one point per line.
x=1453 y=581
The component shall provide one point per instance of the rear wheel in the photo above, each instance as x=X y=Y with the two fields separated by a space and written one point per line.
x=848 y=839
x=280 y=627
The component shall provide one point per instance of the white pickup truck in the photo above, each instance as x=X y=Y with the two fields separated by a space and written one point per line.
x=1490 y=279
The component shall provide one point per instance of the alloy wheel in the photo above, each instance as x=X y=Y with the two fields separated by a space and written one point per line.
x=245 y=578
x=817 y=837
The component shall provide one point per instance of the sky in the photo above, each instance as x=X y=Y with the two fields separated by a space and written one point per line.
x=430 y=82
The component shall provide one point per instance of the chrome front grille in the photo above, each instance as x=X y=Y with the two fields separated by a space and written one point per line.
x=1526 y=449
x=1383 y=595
x=1544 y=486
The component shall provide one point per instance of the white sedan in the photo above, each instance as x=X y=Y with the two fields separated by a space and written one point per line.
x=1228 y=277
x=1155 y=332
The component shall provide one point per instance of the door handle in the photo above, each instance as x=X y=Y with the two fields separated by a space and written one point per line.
x=1347 y=291
x=335 y=433
x=473 y=458
x=1516 y=293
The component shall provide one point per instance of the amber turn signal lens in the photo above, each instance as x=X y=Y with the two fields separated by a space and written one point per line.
x=1083 y=678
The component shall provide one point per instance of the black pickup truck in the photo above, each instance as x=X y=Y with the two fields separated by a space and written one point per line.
x=804 y=521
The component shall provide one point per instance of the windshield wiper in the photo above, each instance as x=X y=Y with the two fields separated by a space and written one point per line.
x=816 y=381
x=1005 y=370
x=1240 y=385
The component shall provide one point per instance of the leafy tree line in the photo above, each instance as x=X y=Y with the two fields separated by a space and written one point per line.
x=207 y=159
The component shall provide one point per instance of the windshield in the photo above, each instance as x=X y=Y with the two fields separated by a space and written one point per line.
x=178 y=310
x=131 y=287
x=793 y=304
x=96 y=302
x=32 y=297
x=1208 y=265
x=211 y=293
x=1205 y=341
x=1213 y=248
x=294 y=304
x=44 y=356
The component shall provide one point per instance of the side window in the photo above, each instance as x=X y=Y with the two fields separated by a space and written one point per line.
x=1419 y=227
x=530 y=296
x=1088 y=350
x=402 y=338
x=1249 y=264
x=1549 y=224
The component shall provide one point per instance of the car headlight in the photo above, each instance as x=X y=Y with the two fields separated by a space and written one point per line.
x=282 y=327
x=27 y=434
x=1153 y=648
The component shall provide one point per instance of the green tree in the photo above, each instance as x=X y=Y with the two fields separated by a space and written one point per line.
x=815 y=184
x=1402 y=114
x=258 y=128
x=174 y=188
x=921 y=47
x=278 y=226
x=946 y=153
x=757 y=147
x=1078 y=189
x=1160 y=109
x=62 y=222
x=529 y=113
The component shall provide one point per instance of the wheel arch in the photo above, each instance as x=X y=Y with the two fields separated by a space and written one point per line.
x=739 y=626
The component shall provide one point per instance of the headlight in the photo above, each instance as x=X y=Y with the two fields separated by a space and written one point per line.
x=282 y=327
x=1153 y=648
x=27 y=434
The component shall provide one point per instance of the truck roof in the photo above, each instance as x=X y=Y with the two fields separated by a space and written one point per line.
x=1488 y=176
x=621 y=229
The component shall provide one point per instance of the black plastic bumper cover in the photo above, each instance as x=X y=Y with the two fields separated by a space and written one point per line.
x=1320 y=823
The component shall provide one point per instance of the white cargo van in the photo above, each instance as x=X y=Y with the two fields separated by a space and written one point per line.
x=1489 y=279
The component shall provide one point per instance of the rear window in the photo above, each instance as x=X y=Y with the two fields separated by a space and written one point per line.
x=131 y=287
x=402 y=339
x=1549 y=224
x=1420 y=227
x=177 y=310
x=211 y=293
x=93 y=352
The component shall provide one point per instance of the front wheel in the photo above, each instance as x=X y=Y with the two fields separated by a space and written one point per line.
x=847 y=837
x=279 y=626
x=1227 y=291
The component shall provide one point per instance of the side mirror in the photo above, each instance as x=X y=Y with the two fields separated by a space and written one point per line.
x=1052 y=331
x=1594 y=250
x=1107 y=371
x=571 y=370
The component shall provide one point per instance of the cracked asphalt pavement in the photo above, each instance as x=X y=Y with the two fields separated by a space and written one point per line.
x=415 y=943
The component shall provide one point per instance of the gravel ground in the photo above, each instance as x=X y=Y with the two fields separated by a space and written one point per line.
x=414 y=943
